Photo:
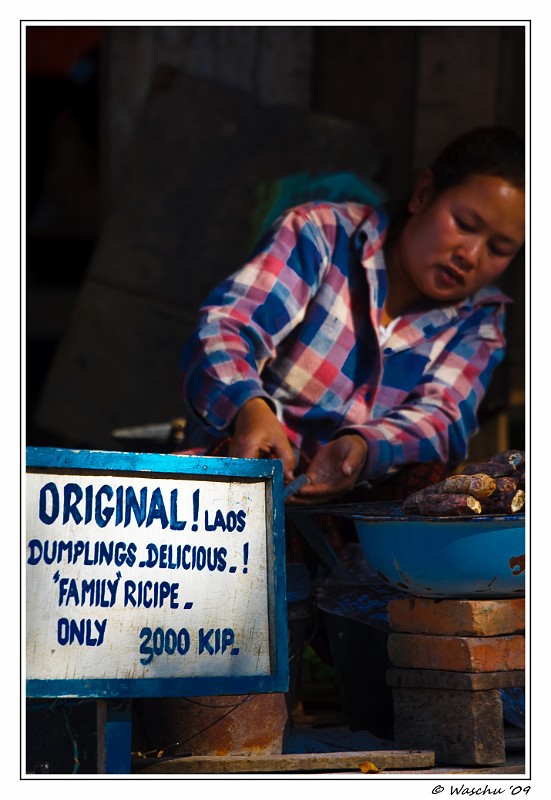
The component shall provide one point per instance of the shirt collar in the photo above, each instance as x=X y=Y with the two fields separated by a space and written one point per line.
x=371 y=233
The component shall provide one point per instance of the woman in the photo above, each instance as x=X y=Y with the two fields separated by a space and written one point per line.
x=364 y=342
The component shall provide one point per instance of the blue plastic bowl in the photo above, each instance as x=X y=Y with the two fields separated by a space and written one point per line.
x=469 y=557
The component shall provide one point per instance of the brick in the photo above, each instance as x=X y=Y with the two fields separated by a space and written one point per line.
x=460 y=681
x=460 y=727
x=456 y=653
x=457 y=617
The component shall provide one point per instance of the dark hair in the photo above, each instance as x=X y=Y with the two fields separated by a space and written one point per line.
x=483 y=151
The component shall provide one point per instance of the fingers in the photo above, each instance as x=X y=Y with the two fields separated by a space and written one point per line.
x=244 y=447
x=319 y=495
x=334 y=470
x=261 y=446
x=284 y=451
x=355 y=459
x=259 y=434
x=318 y=490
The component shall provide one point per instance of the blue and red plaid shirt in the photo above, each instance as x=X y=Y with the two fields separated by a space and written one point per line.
x=299 y=325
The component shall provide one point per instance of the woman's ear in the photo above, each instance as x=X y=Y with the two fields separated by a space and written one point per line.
x=422 y=194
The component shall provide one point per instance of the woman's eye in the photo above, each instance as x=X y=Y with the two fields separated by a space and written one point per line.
x=496 y=251
x=463 y=224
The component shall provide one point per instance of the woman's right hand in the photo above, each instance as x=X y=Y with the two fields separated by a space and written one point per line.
x=259 y=434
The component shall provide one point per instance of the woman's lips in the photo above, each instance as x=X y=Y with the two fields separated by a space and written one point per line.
x=450 y=276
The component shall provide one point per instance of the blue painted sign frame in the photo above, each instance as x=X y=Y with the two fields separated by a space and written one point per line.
x=82 y=462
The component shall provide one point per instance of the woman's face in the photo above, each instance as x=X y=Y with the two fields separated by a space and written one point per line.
x=456 y=242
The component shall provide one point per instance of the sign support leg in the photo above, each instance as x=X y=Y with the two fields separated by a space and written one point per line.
x=114 y=725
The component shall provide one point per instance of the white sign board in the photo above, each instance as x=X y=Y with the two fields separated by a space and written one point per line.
x=152 y=575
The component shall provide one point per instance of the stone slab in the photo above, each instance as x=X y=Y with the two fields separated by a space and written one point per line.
x=461 y=727
x=457 y=617
x=456 y=653
x=446 y=679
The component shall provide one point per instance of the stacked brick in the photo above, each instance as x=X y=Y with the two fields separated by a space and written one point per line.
x=450 y=658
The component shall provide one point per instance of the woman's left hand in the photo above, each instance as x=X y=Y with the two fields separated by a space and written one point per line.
x=333 y=471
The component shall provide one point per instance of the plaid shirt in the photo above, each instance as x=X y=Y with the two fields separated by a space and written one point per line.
x=299 y=326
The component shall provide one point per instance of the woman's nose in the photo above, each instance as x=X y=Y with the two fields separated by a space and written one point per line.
x=466 y=255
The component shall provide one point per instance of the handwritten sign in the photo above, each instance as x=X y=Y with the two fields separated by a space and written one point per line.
x=150 y=575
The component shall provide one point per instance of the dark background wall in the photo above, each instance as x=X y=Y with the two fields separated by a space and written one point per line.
x=145 y=147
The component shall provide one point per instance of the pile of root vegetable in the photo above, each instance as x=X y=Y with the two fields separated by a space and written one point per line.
x=494 y=487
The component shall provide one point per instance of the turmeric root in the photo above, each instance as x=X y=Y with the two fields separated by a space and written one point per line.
x=513 y=457
x=492 y=468
x=439 y=504
x=507 y=498
x=478 y=485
